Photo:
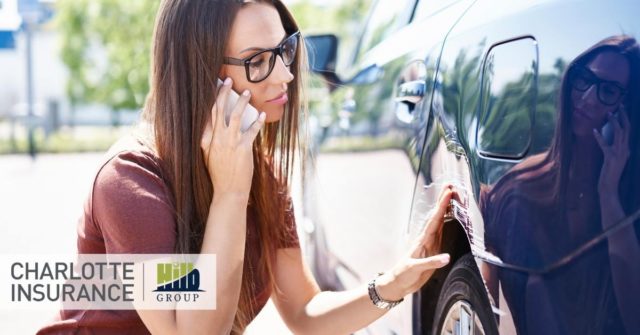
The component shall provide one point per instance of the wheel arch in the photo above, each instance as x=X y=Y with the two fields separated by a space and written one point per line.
x=456 y=243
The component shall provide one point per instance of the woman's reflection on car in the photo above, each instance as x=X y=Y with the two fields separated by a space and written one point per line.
x=552 y=203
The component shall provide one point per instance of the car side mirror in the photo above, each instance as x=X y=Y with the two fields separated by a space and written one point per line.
x=322 y=51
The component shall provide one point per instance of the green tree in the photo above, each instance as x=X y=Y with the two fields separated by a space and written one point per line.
x=345 y=21
x=105 y=45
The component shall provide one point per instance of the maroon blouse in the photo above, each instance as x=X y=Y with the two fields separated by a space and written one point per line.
x=129 y=210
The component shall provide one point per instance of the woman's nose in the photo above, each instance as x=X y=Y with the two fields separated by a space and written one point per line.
x=281 y=73
x=591 y=95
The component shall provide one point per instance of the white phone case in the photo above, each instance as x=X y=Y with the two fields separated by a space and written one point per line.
x=250 y=113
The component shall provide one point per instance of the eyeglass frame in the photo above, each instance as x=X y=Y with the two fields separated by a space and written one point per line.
x=277 y=51
x=595 y=80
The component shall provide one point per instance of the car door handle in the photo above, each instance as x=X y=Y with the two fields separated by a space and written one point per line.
x=411 y=92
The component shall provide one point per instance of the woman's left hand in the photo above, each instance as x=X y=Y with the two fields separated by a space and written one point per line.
x=615 y=155
x=410 y=274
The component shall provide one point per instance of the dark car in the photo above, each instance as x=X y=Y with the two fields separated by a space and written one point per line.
x=531 y=109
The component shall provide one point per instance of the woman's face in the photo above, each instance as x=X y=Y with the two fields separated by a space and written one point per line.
x=596 y=91
x=256 y=27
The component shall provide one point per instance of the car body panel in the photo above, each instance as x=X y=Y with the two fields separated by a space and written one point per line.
x=488 y=107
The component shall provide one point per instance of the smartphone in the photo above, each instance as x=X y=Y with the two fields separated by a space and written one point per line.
x=250 y=113
x=607 y=128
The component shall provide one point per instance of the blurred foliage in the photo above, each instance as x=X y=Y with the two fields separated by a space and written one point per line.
x=67 y=140
x=346 y=21
x=372 y=110
x=105 y=45
x=362 y=144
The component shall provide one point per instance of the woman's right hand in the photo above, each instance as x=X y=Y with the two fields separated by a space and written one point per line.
x=227 y=151
x=424 y=257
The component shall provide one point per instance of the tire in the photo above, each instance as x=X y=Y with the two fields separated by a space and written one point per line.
x=463 y=306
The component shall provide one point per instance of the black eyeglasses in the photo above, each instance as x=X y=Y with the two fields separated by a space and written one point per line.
x=259 y=66
x=609 y=92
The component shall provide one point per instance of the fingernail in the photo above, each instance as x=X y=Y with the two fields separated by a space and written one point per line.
x=445 y=259
x=263 y=116
x=246 y=93
x=227 y=81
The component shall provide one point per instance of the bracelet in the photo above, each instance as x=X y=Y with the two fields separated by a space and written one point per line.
x=377 y=300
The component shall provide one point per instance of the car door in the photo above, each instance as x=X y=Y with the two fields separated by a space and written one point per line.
x=367 y=165
x=547 y=262
x=363 y=177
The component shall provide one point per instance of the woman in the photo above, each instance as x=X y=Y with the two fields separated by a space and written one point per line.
x=197 y=184
x=551 y=204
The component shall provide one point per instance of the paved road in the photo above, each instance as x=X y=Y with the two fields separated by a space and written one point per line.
x=41 y=200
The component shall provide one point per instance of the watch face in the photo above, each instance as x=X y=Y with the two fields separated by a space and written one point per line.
x=385 y=305
x=388 y=305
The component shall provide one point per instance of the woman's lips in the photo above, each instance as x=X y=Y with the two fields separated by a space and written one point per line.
x=582 y=114
x=280 y=100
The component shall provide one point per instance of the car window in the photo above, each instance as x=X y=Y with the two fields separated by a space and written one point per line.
x=387 y=17
x=427 y=8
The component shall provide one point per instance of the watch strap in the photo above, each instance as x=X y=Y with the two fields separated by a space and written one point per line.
x=379 y=301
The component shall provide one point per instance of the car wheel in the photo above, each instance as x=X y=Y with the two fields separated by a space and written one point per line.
x=463 y=307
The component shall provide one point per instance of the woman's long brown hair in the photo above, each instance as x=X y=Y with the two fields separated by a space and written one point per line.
x=189 y=40
x=628 y=47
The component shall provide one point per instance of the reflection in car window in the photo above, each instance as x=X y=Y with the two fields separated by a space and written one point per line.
x=427 y=8
x=387 y=17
